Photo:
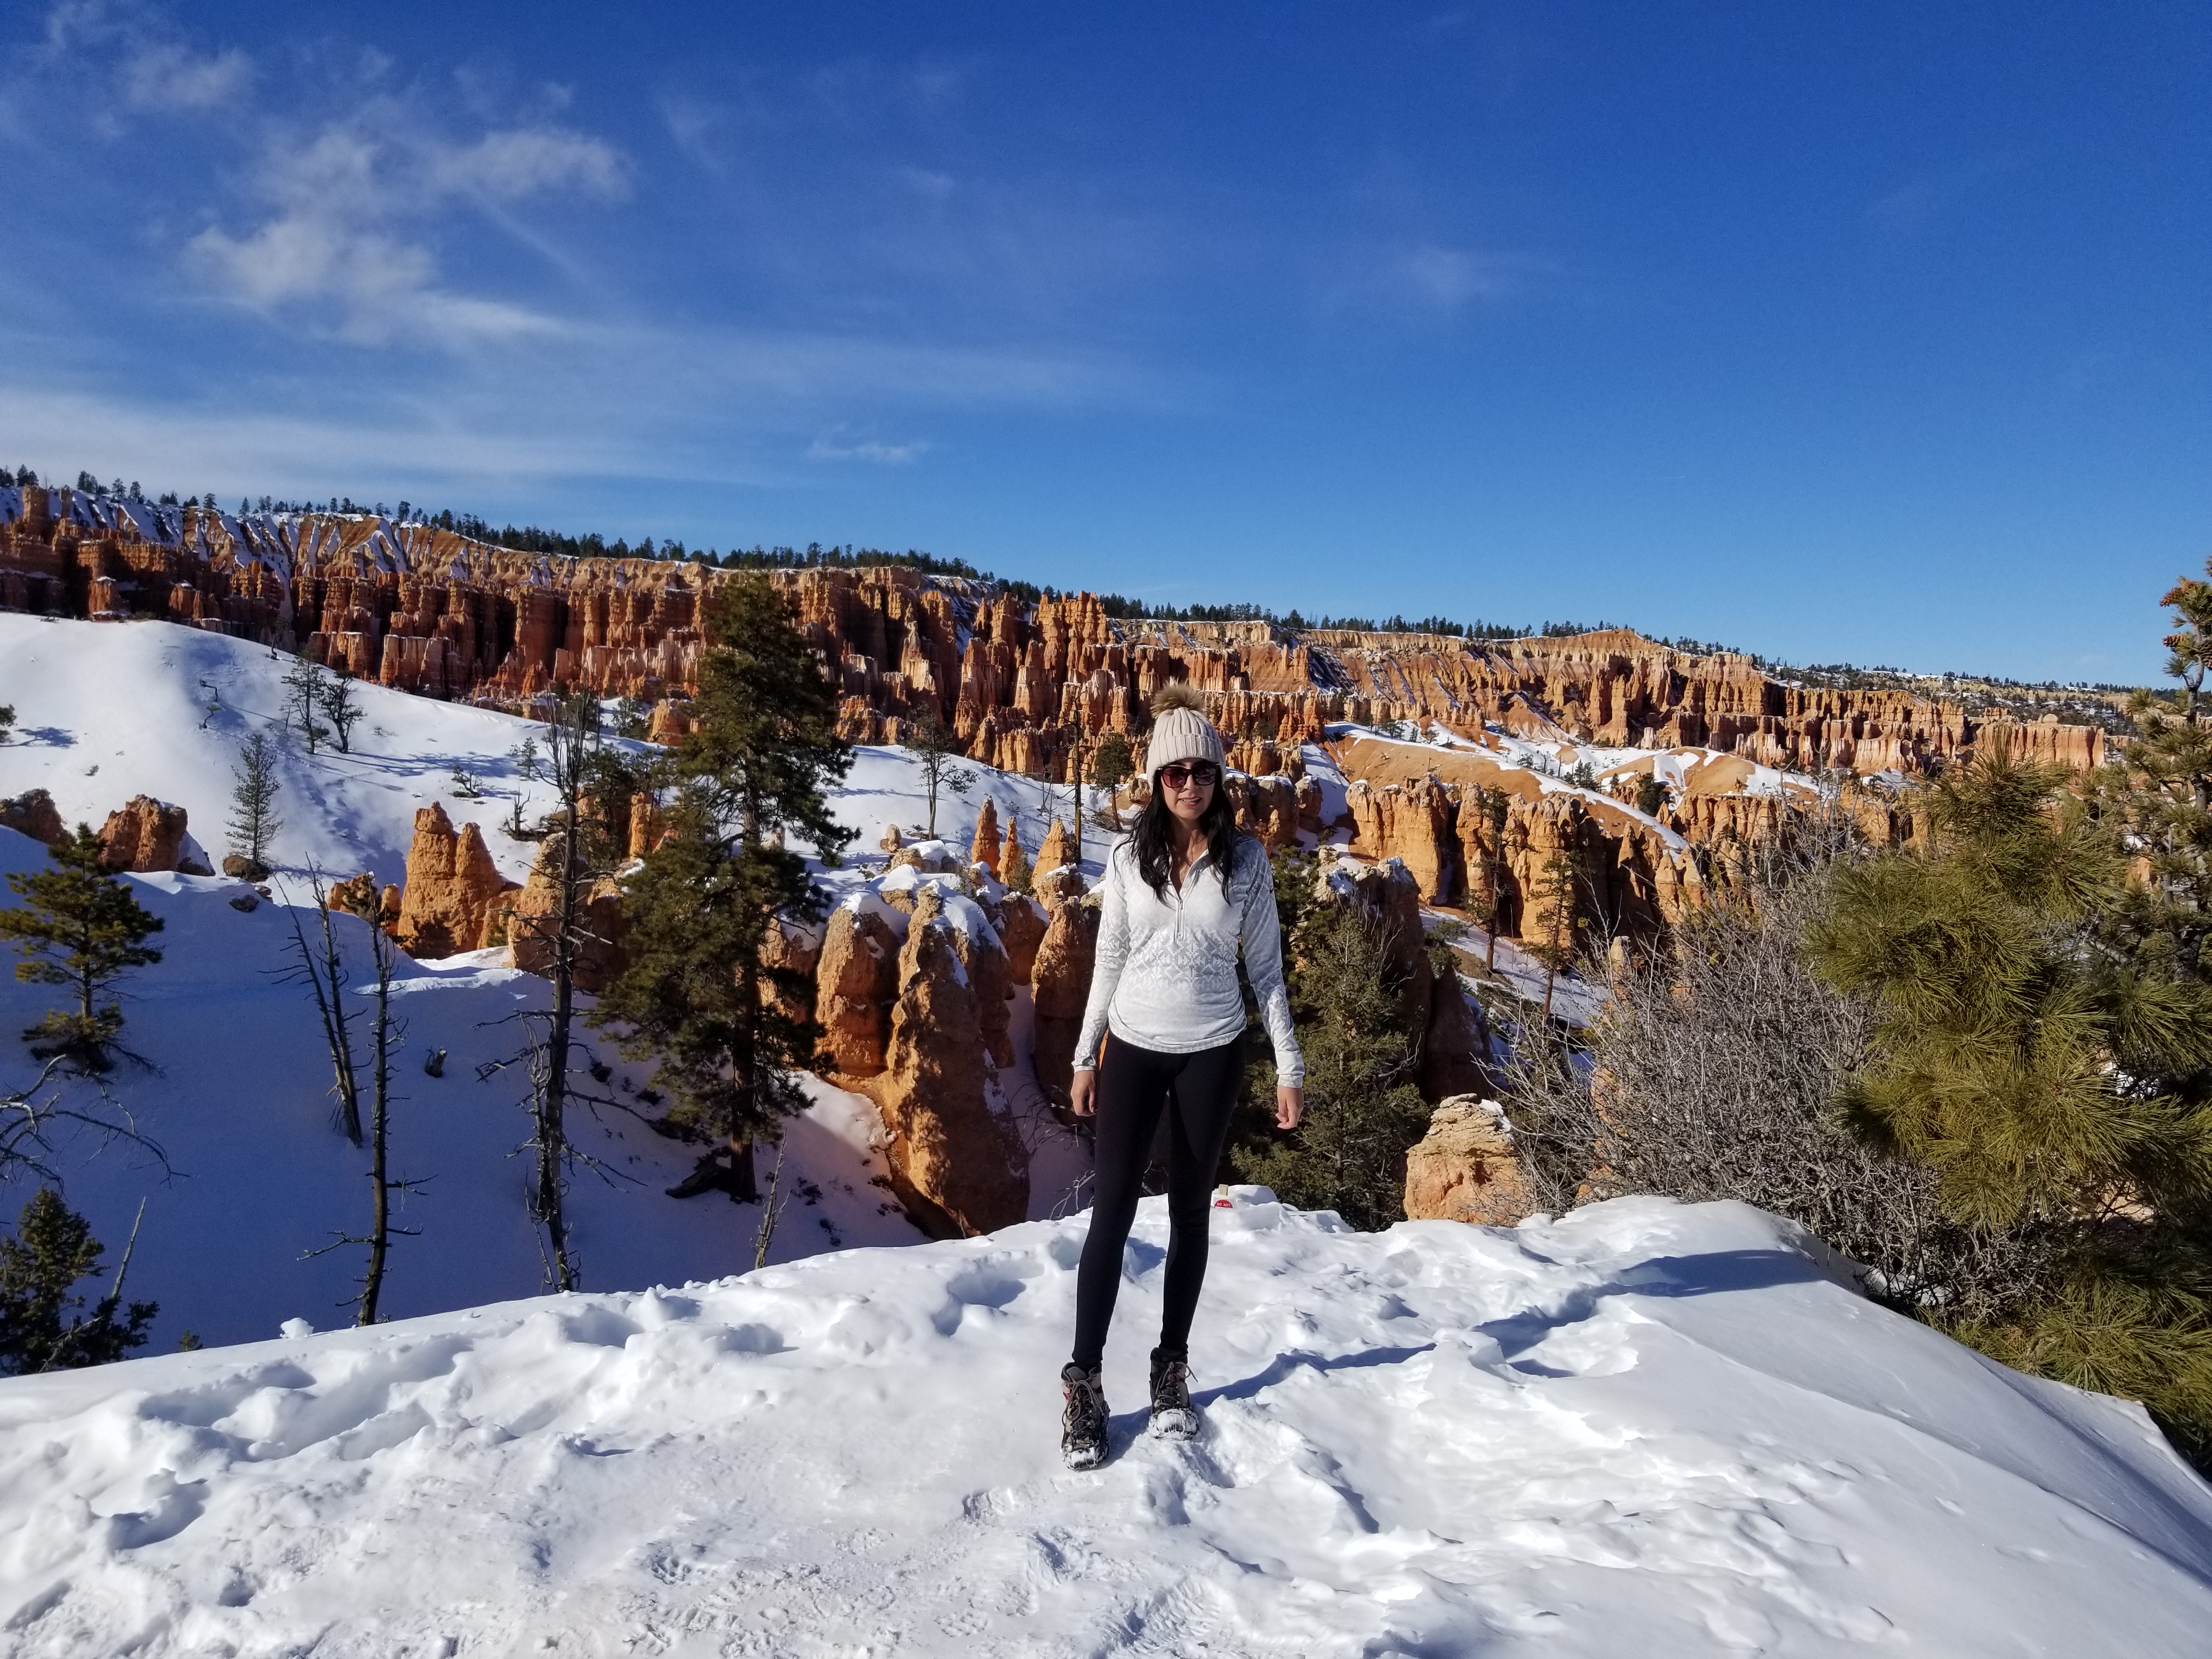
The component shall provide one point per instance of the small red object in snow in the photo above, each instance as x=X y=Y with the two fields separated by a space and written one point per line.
x=1223 y=1204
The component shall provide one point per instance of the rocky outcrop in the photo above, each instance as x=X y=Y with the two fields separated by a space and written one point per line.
x=856 y=980
x=1013 y=865
x=1266 y=807
x=790 y=957
x=978 y=942
x=2047 y=741
x=1535 y=859
x=1061 y=982
x=358 y=895
x=33 y=814
x=1464 y=1168
x=958 y=1167
x=1058 y=852
x=1454 y=1043
x=1411 y=823
x=984 y=847
x=1453 y=1038
x=533 y=924
x=1031 y=689
x=454 y=897
x=145 y=835
x=1023 y=927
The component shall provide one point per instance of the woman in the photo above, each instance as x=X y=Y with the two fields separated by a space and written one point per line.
x=1181 y=894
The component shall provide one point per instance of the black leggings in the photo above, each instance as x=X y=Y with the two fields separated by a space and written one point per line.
x=1200 y=1090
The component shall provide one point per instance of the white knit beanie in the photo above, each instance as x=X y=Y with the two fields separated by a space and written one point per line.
x=1181 y=733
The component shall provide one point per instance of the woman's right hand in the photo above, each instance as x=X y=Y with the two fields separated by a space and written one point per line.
x=1082 y=1092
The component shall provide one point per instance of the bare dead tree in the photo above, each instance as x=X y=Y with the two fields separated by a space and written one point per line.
x=578 y=849
x=323 y=963
x=32 y=1114
x=1713 y=1074
x=317 y=959
x=771 y=1209
x=940 y=753
x=386 y=1034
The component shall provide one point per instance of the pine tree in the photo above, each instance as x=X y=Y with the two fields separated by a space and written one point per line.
x=695 y=994
x=1995 y=1026
x=254 y=821
x=7 y=721
x=78 y=926
x=1111 y=766
x=42 y=1328
x=1559 y=915
x=1488 y=897
x=2049 y=1062
x=2189 y=647
x=336 y=700
x=1362 y=1108
x=1013 y=858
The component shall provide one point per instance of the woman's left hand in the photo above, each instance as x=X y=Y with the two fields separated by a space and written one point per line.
x=1290 y=1105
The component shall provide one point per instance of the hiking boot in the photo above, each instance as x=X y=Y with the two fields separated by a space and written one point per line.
x=1083 y=1424
x=1173 y=1417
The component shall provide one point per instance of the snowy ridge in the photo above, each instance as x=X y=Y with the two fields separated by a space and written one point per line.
x=1647 y=1429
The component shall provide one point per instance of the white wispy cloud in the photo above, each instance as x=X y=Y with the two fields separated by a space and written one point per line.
x=161 y=70
x=885 y=287
x=1450 y=278
x=521 y=161
x=828 y=448
x=347 y=237
x=167 y=75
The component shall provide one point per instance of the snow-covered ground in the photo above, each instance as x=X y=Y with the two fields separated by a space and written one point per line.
x=257 y=1175
x=238 y=1098
x=1645 y=1429
x=1642 y=1429
x=105 y=711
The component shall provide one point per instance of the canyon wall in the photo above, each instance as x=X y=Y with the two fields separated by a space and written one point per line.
x=1029 y=688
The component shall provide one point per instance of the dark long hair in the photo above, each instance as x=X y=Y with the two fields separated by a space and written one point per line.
x=1155 y=836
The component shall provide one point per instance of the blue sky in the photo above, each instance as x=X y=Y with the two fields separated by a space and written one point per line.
x=1878 y=331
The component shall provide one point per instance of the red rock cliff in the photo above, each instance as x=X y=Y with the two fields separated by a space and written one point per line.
x=1030 y=689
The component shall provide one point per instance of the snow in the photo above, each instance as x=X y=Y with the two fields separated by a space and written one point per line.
x=108 y=710
x=238 y=1101
x=1646 y=1429
x=239 y=1106
x=885 y=786
x=868 y=901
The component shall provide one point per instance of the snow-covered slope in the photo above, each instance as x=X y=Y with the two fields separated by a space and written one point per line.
x=238 y=1100
x=107 y=710
x=1646 y=1430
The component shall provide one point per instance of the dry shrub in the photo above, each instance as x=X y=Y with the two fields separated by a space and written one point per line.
x=1714 y=1074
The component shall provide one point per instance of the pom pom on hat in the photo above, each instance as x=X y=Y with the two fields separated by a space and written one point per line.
x=1180 y=732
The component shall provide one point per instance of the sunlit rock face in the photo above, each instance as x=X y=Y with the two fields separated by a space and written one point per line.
x=1030 y=688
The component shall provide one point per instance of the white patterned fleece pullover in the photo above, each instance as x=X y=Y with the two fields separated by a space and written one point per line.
x=1165 y=977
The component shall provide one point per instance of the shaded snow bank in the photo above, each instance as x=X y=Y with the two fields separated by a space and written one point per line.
x=1646 y=1429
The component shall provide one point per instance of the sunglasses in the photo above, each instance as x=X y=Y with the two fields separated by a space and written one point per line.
x=1178 y=777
